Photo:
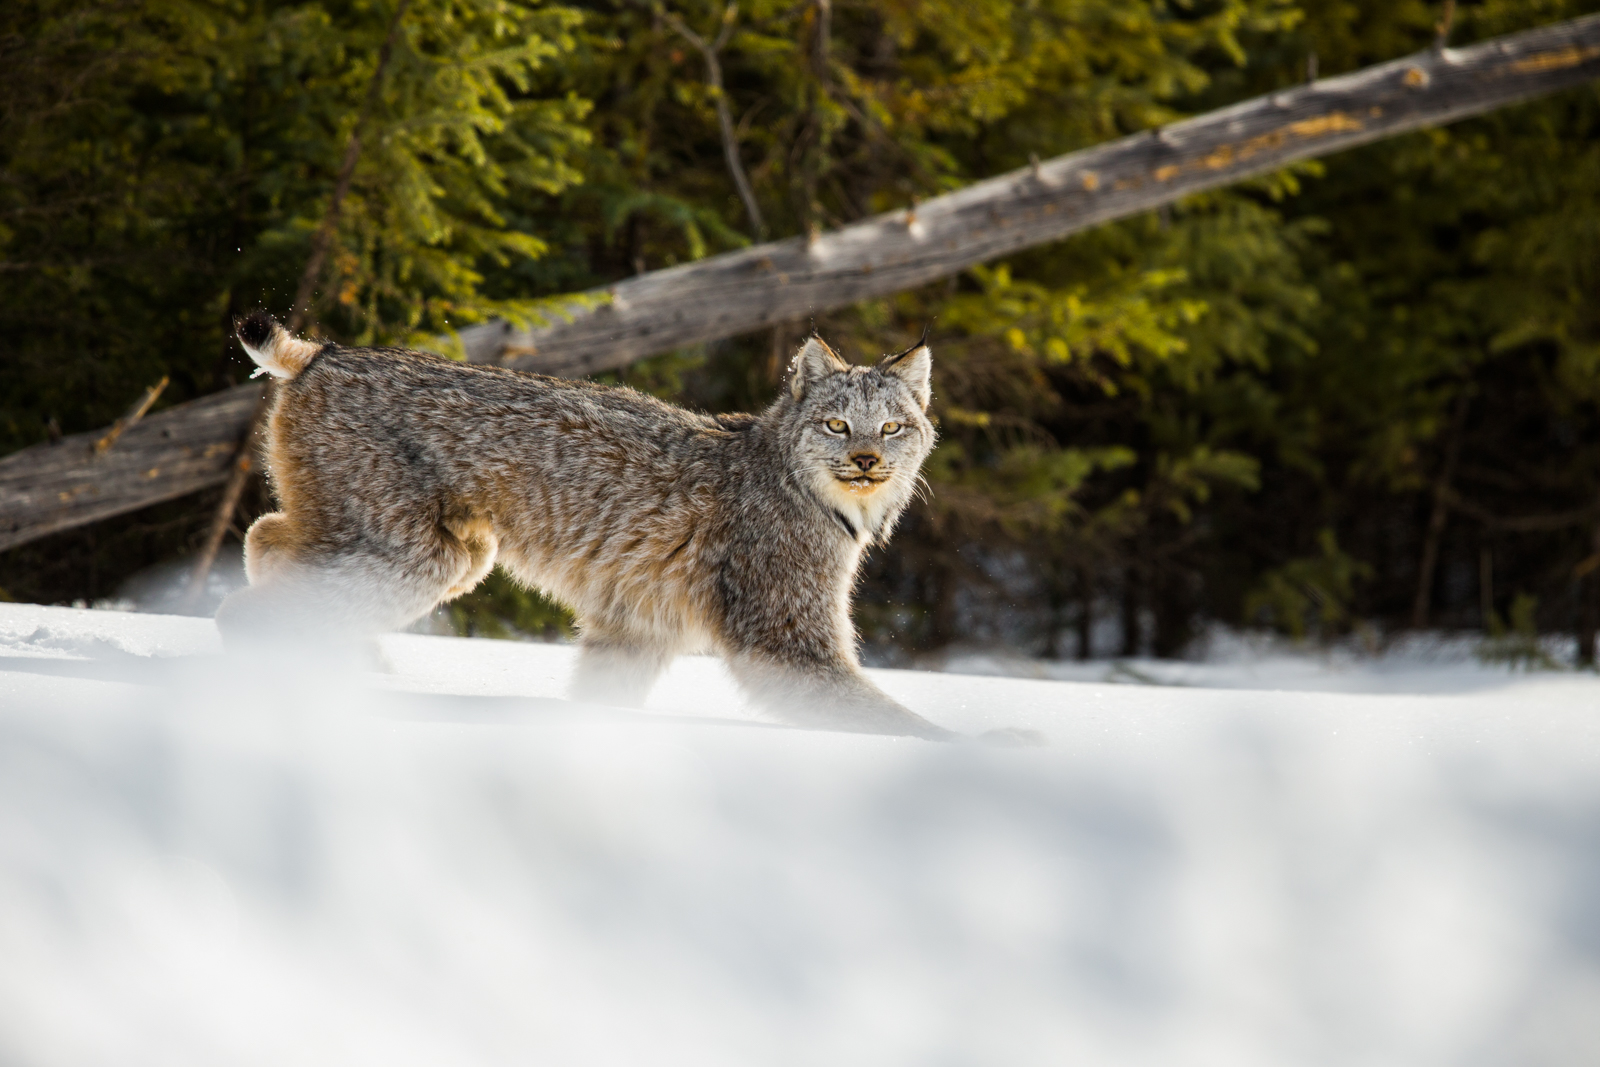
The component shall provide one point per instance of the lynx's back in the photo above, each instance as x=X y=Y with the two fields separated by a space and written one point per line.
x=588 y=490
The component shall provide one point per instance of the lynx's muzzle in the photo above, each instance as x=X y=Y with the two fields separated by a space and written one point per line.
x=271 y=346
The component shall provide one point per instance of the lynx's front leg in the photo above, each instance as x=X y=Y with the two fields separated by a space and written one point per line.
x=615 y=667
x=829 y=692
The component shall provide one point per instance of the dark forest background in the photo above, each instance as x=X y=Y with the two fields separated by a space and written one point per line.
x=1362 y=393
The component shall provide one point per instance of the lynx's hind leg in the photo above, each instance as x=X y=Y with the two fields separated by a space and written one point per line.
x=268 y=545
x=267 y=605
x=616 y=667
x=477 y=539
x=307 y=591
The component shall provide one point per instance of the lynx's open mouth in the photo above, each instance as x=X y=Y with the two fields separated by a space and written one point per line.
x=862 y=482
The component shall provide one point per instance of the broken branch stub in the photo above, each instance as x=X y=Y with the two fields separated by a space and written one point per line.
x=135 y=413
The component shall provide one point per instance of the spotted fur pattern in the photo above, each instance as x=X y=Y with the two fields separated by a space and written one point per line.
x=404 y=477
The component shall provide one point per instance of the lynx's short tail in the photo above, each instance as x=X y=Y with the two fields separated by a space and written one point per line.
x=272 y=348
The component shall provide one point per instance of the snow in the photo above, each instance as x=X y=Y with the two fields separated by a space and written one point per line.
x=214 y=860
x=1431 y=663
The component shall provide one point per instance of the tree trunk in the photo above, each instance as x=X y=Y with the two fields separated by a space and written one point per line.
x=1436 y=521
x=1132 y=631
x=1588 y=620
x=1486 y=588
x=1170 y=604
x=1085 y=614
x=1589 y=605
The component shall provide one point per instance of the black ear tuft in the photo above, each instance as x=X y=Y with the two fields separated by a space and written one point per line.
x=256 y=329
x=891 y=359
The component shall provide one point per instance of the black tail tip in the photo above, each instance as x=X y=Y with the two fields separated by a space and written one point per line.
x=255 y=329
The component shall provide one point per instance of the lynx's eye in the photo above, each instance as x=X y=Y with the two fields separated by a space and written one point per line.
x=837 y=426
x=891 y=428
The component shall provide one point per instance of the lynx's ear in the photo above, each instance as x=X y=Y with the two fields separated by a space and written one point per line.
x=814 y=361
x=914 y=366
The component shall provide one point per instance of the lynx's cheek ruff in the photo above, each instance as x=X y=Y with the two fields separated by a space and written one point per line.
x=403 y=478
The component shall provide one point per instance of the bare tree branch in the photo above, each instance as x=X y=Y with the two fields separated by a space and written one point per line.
x=1561 y=520
x=730 y=142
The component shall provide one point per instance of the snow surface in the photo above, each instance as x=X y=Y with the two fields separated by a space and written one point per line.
x=212 y=860
x=1435 y=663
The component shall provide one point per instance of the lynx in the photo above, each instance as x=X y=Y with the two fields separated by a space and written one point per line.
x=404 y=477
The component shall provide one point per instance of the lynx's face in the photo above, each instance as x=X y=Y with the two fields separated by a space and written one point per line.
x=860 y=433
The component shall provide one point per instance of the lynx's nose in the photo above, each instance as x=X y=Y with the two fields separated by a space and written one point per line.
x=865 y=460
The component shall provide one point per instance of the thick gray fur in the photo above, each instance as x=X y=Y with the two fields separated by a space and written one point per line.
x=403 y=478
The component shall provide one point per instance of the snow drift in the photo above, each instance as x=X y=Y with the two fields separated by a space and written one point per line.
x=213 y=861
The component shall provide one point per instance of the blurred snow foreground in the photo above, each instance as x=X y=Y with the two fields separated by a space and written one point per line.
x=217 y=861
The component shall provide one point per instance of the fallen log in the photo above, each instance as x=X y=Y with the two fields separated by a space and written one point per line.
x=785 y=280
x=67 y=483
x=53 y=487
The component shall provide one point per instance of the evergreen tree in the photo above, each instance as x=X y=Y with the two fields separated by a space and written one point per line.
x=167 y=164
x=1365 y=388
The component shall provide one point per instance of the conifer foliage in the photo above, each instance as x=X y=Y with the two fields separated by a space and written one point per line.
x=168 y=162
x=1361 y=391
